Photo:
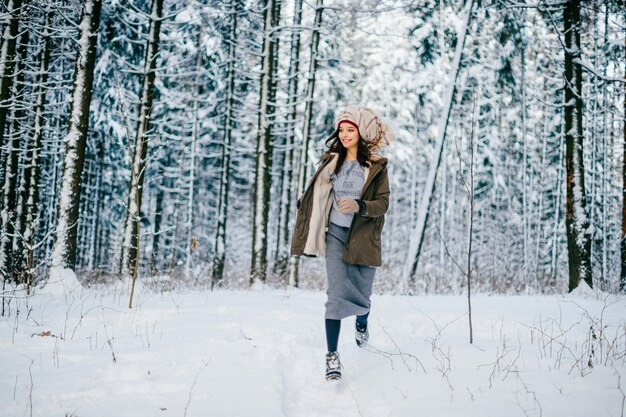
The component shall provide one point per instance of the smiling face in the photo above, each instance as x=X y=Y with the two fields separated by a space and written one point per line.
x=349 y=136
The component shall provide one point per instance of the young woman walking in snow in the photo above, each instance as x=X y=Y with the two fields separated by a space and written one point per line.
x=341 y=216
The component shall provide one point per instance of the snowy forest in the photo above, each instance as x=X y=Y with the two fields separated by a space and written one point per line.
x=168 y=140
x=153 y=152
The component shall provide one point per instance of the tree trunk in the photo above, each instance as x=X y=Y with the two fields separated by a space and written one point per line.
x=9 y=258
x=472 y=201
x=7 y=60
x=9 y=205
x=31 y=173
x=576 y=219
x=282 y=242
x=591 y=153
x=539 y=212
x=606 y=162
x=139 y=149
x=415 y=245
x=267 y=118
x=191 y=239
x=306 y=131
x=94 y=242
x=622 y=282
x=158 y=216
x=18 y=128
x=219 y=250
x=64 y=251
x=525 y=180
x=442 y=218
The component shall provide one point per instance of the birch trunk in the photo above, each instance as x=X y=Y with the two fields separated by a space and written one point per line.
x=415 y=245
x=266 y=121
x=306 y=131
x=130 y=245
x=64 y=250
x=576 y=218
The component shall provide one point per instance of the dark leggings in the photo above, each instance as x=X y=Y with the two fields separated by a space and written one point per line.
x=333 y=327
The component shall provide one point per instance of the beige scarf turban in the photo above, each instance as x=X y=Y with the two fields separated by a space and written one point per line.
x=374 y=131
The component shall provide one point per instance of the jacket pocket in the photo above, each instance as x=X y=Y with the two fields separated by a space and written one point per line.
x=376 y=229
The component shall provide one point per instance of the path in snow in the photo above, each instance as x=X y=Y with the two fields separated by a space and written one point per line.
x=261 y=353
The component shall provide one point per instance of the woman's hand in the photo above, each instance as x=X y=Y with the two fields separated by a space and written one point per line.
x=347 y=205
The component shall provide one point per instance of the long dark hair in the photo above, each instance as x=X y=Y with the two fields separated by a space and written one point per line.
x=363 y=152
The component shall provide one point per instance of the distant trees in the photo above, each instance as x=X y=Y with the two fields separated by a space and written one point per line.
x=169 y=140
x=521 y=170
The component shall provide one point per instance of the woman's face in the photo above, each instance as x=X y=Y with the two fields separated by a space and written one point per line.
x=348 y=135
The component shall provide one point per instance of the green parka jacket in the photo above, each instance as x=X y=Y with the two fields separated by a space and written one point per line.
x=363 y=244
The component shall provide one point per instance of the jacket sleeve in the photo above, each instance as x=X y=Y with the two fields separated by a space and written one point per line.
x=377 y=206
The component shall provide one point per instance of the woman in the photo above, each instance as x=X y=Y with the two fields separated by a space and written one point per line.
x=341 y=216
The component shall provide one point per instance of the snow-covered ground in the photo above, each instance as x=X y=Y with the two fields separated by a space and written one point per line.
x=261 y=353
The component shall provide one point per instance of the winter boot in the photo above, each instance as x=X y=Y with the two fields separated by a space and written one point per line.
x=333 y=366
x=361 y=335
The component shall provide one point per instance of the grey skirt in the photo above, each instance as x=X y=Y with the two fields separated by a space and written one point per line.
x=349 y=286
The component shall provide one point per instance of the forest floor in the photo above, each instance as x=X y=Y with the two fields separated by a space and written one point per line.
x=261 y=353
